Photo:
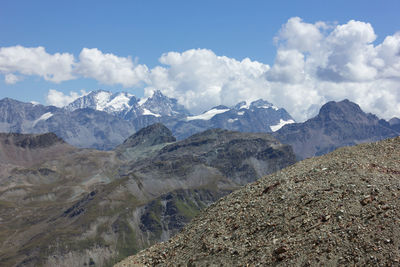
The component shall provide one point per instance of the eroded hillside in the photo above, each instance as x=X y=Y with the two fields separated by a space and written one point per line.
x=71 y=207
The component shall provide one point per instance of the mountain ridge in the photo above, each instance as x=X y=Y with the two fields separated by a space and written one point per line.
x=337 y=124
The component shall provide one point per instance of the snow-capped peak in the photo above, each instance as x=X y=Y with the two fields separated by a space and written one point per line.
x=162 y=105
x=119 y=102
x=263 y=104
x=104 y=101
x=102 y=98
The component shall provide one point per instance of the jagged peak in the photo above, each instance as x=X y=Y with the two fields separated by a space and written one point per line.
x=261 y=103
x=394 y=121
x=342 y=110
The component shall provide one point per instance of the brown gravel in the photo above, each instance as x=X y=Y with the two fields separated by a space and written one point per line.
x=339 y=209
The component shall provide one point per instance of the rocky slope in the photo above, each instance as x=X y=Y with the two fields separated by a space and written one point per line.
x=77 y=207
x=337 y=124
x=341 y=209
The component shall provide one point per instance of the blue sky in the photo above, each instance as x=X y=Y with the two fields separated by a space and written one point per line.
x=144 y=30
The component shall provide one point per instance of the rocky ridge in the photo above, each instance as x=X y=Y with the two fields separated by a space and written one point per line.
x=337 y=209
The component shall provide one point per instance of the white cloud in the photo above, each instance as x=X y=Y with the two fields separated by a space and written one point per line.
x=10 y=78
x=296 y=34
x=109 y=68
x=346 y=53
x=199 y=79
x=315 y=63
x=288 y=67
x=59 y=99
x=36 y=61
x=59 y=67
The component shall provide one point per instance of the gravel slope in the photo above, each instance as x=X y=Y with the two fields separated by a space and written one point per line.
x=339 y=209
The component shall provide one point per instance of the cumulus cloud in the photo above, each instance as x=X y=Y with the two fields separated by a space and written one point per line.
x=288 y=67
x=296 y=34
x=36 y=61
x=59 y=67
x=110 y=69
x=332 y=63
x=314 y=63
x=199 y=78
x=59 y=99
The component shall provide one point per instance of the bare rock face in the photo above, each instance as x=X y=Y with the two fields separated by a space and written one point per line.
x=337 y=124
x=340 y=209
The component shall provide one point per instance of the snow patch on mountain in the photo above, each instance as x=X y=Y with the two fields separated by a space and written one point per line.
x=281 y=123
x=142 y=101
x=245 y=105
x=101 y=99
x=148 y=112
x=119 y=102
x=207 y=115
x=44 y=117
x=269 y=106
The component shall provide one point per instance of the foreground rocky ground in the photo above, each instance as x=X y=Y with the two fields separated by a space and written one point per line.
x=338 y=209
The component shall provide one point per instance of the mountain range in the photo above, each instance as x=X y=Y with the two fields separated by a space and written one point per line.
x=103 y=120
x=65 y=206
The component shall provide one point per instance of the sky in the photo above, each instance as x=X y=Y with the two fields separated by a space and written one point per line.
x=296 y=54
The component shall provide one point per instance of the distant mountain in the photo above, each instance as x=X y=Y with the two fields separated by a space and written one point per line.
x=128 y=107
x=103 y=120
x=117 y=104
x=81 y=127
x=395 y=124
x=337 y=124
x=257 y=116
x=63 y=206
